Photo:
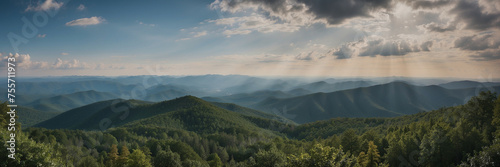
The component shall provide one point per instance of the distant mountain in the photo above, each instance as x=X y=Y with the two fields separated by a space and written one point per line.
x=167 y=92
x=299 y=92
x=258 y=84
x=58 y=88
x=61 y=103
x=325 y=87
x=248 y=99
x=188 y=113
x=29 y=117
x=23 y=99
x=468 y=84
x=387 y=100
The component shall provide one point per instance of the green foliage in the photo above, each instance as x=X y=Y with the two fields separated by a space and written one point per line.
x=138 y=159
x=167 y=158
x=271 y=158
x=490 y=156
x=193 y=163
x=29 y=152
x=496 y=117
x=350 y=141
x=113 y=155
x=123 y=159
x=190 y=132
x=88 y=161
x=214 y=160
x=371 y=158
x=436 y=147
x=323 y=156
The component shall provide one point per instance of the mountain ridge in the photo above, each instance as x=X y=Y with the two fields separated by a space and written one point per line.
x=385 y=100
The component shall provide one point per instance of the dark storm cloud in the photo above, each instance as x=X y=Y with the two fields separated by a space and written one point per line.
x=427 y=4
x=476 y=42
x=337 y=11
x=474 y=17
x=487 y=55
x=486 y=47
x=277 y=6
x=333 y=11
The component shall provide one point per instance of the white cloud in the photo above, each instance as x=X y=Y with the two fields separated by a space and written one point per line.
x=41 y=35
x=24 y=61
x=81 y=7
x=64 y=53
x=86 y=21
x=47 y=5
x=72 y=64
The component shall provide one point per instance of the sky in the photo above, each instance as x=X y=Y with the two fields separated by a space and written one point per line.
x=343 y=38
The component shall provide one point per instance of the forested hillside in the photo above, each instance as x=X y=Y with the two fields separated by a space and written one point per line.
x=385 y=100
x=206 y=135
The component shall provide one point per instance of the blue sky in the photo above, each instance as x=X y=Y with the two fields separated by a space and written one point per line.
x=255 y=37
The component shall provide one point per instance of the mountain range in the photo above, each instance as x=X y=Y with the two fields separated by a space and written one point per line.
x=386 y=100
x=291 y=99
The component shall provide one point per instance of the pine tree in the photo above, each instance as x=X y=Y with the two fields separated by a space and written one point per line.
x=113 y=155
x=124 y=153
x=372 y=156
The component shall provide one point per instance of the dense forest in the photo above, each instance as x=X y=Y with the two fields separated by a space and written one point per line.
x=203 y=134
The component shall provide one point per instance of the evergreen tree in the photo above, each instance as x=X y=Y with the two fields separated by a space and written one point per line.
x=113 y=155
x=371 y=158
x=123 y=160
